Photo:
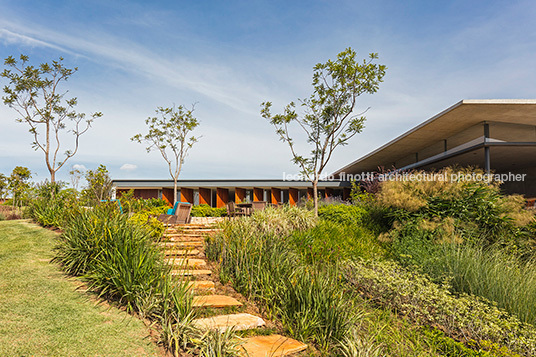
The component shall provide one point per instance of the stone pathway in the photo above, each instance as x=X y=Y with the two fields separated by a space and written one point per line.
x=184 y=249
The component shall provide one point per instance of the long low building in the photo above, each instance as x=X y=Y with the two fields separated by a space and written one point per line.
x=498 y=136
x=217 y=193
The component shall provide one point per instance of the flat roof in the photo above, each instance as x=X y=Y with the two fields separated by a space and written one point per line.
x=230 y=183
x=455 y=119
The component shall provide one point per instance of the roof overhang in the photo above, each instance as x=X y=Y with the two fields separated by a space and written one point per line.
x=455 y=119
x=229 y=184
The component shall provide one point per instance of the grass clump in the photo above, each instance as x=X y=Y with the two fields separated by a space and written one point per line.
x=258 y=260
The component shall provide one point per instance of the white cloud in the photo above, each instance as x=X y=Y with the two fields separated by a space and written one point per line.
x=128 y=167
x=79 y=167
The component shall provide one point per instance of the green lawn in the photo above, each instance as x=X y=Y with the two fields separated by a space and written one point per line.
x=43 y=314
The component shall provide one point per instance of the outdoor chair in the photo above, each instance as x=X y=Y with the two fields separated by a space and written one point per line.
x=258 y=205
x=181 y=215
x=234 y=211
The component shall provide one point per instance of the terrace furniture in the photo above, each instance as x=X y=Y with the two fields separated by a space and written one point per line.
x=258 y=205
x=174 y=209
x=181 y=216
x=247 y=207
x=234 y=211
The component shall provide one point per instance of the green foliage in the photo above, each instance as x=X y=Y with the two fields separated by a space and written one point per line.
x=205 y=210
x=493 y=273
x=426 y=303
x=33 y=92
x=328 y=120
x=18 y=185
x=331 y=242
x=99 y=185
x=119 y=260
x=258 y=260
x=147 y=219
x=4 y=186
x=52 y=204
x=478 y=206
x=168 y=133
x=342 y=213
x=131 y=204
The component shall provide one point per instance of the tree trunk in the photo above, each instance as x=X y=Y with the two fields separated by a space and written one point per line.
x=174 y=191
x=315 y=196
x=52 y=176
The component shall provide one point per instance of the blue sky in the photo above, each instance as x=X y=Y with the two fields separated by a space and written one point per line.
x=229 y=56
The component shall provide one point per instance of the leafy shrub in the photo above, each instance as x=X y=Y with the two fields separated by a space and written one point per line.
x=147 y=218
x=51 y=204
x=331 y=241
x=281 y=220
x=492 y=217
x=343 y=213
x=207 y=211
x=424 y=302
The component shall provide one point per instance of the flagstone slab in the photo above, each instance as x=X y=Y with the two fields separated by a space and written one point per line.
x=223 y=322
x=184 y=245
x=191 y=272
x=181 y=252
x=189 y=262
x=202 y=285
x=272 y=345
x=215 y=301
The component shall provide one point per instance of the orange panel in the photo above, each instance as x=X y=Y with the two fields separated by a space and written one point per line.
x=292 y=196
x=205 y=196
x=258 y=194
x=328 y=192
x=276 y=195
x=310 y=193
x=167 y=195
x=240 y=195
x=187 y=195
x=222 y=197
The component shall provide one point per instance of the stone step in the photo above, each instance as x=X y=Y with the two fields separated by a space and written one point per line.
x=272 y=345
x=223 y=322
x=184 y=235
x=179 y=227
x=188 y=262
x=181 y=252
x=202 y=285
x=191 y=272
x=215 y=301
x=182 y=245
x=186 y=239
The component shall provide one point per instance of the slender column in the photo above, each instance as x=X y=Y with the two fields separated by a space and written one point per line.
x=487 y=156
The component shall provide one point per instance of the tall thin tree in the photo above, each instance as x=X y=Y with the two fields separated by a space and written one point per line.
x=328 y=119
x=34 y=92
x=169 y=133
